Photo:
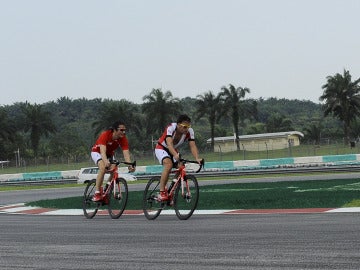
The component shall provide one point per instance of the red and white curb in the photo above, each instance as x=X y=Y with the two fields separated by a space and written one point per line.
x=21 y=208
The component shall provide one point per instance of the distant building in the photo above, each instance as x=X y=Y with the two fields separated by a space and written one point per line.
x=258 y=142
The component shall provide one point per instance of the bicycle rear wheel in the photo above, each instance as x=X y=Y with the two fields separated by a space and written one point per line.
x=90 y=208
x=151 y=206
x=186 y=198
x=118 y=196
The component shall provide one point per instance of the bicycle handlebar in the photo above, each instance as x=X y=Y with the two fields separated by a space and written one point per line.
x=202 y=163
x=117 y=162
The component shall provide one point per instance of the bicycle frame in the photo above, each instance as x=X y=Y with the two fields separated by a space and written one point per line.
x=183 y=193
x=180 y=173
x=180 y=176
x=115 y=175
x=116 y=201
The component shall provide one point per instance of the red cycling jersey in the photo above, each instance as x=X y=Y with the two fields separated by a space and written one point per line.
x=105 y=138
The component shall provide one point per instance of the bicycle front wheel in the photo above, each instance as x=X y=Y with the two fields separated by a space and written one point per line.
x=118 y=196
x=90 y=208
x=186 y=197
x=151 y=206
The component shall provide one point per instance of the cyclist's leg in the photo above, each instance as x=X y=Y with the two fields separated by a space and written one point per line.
x=108 y=181
x=166 y=161
x=100 y=176
x=167 y=166
x=101 y=165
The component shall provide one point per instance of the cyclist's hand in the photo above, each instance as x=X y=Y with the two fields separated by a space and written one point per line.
x=131 y=168
x=107 y=164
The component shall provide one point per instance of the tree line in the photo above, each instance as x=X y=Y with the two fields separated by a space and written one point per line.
x=68 y=128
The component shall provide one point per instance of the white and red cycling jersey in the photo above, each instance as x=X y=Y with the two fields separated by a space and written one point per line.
x=170 y=132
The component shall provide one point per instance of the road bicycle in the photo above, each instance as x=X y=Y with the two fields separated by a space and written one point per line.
x=183 y=193
x=114 y=196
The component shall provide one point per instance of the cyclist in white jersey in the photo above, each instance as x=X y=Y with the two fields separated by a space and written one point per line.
x=166 y=150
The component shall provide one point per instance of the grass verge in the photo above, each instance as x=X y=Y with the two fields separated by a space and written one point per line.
x=275 y=195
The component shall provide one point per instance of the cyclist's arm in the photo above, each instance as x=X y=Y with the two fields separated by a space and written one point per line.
x=127 y=158
x=172 y=150
x=126 y=154
x=194 y=151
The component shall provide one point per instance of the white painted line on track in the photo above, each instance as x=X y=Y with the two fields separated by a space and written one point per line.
x=345 y=210
x=19 y=209
x=29 y=210
x=64 y=212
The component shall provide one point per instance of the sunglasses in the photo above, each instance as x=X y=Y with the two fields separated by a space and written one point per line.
x=185 y=126
x=122 y=129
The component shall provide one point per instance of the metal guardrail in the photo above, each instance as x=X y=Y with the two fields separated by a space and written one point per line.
x=318 y=169
x=39 y=182
x=203 y=174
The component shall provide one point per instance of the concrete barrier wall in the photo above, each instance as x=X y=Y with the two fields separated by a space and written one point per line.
x=331 y=160
x=18 y=177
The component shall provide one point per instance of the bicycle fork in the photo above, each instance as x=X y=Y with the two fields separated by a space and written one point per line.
x=117 y=194
x=186 y=195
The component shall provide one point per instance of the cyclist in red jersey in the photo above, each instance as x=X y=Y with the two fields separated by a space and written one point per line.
x=166 y=150
x=104 y=149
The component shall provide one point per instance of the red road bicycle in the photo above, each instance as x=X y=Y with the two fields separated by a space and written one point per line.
x=183 y=193
x=115 y=194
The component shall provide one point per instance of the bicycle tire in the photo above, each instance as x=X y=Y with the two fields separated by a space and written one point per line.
x=118 y=197
x=90 y=208
x=186 y=204
x=151 y=206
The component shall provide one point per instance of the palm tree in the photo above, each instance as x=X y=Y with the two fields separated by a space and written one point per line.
x=342 y=100
x=112 y=111
x=209 y=105
x=128 y=112
x=160 y=109
x=38 y=122
x=249 y=110
x=232 y=98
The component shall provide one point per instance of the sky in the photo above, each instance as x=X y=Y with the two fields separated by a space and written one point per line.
x=119 y=49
